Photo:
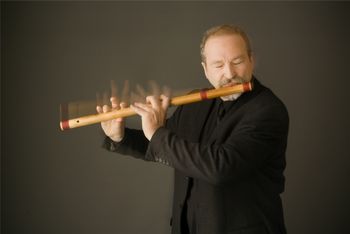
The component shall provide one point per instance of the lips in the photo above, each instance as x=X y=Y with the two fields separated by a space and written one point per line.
x=229 y=84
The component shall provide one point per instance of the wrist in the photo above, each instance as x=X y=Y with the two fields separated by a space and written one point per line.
x=116 y=138
x=149 y=134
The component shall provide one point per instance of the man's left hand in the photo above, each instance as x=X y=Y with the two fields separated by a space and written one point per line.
x=153 y=113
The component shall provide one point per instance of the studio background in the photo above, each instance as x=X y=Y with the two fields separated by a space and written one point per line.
x=54 y=52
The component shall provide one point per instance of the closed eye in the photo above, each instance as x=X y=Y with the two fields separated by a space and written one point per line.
x=238 y=61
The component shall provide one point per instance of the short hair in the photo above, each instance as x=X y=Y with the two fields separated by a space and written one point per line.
x=225 y=29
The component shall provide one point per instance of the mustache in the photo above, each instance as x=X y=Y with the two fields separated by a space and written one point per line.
x=236 y=80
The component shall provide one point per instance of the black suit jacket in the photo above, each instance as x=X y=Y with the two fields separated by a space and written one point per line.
x=237 y=177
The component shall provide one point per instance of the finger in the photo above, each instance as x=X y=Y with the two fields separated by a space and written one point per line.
x=145 y=107
x=139 y=110
x=155 y=90
x=165 y=101
x=106 y=108
x=123 y=105
x=114 y=102
x=114 y=89
x=99 y=101
x=154 y=101
x=126 y=92
x=105 y=98
x=166 y=91
x=141 y=91
x=99 y=109
x=134 y=97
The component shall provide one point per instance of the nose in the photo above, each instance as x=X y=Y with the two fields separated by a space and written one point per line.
x=229 y=71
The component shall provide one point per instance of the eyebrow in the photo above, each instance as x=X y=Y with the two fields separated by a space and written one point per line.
x=217 y=62
x=238 y=57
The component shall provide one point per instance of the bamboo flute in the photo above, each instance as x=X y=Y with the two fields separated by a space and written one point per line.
x=176 y=101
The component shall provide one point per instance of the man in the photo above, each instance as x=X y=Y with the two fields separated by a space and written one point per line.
x=228 y=153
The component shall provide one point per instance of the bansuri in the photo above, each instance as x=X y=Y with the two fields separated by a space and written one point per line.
x=176 y=101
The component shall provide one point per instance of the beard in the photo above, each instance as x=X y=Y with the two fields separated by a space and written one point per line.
x=231 y=97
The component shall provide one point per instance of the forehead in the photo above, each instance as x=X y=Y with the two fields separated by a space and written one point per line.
x=225 y=45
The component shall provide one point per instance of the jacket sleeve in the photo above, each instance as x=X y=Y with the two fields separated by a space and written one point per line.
x=134 y=143
x=258 y=141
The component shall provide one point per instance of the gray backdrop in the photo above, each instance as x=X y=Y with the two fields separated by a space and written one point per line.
x=63 y=182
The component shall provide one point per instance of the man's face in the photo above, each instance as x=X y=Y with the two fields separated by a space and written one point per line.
x=227 y=61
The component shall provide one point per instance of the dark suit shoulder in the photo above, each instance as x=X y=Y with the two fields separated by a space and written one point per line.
x=268 y=99
x=265 y=97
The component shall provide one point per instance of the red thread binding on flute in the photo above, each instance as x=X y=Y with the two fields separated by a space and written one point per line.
x=203 y=94
x=247 y=87
x=65 y=125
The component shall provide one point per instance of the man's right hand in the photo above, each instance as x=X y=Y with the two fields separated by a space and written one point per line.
x=114 y=128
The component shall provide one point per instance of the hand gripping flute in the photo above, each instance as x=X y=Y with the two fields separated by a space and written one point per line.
x=176 y=101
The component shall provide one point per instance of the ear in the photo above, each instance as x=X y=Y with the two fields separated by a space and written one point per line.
x=205 y=69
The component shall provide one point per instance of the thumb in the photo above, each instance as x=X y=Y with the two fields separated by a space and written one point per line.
x=165 y=101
